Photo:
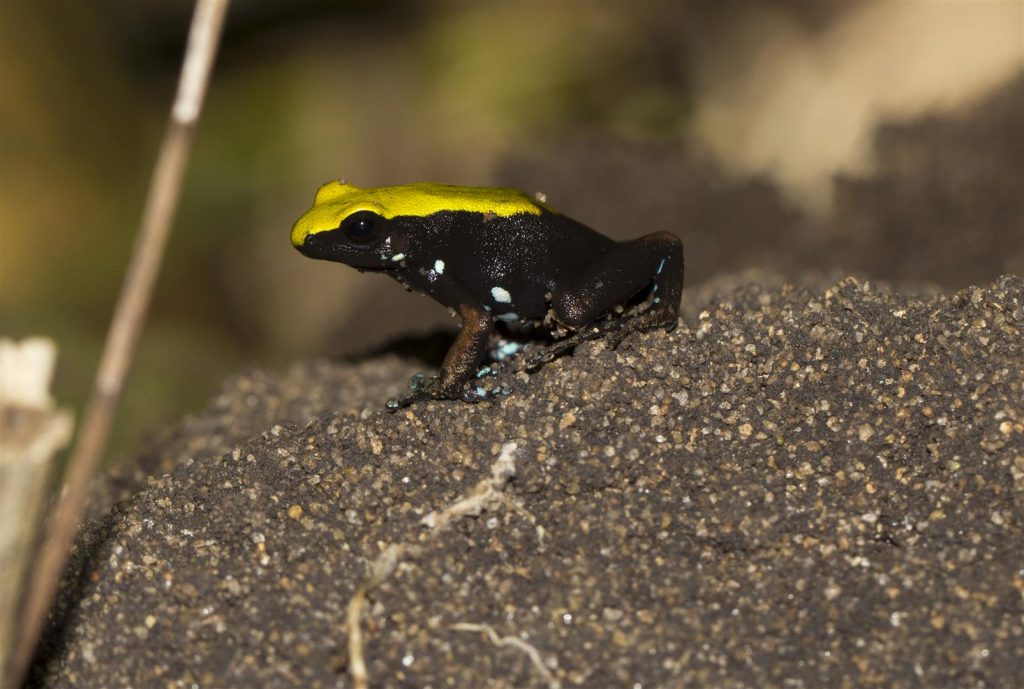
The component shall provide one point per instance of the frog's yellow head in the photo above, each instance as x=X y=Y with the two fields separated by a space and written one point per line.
x=336 y=201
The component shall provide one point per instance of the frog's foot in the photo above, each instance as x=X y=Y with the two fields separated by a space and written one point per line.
x=616 y=330
x=423 y=388
x=652 y=319
x=549 y=354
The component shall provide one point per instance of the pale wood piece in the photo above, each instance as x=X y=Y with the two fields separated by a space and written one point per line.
x=32 y=431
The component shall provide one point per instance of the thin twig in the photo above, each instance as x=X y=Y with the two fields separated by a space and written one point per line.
x=356 y=657
x=529 y=649
x=126 y=324
x=487 y=495
x=381 y=569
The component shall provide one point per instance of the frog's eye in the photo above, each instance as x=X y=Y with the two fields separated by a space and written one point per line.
x=361 y=228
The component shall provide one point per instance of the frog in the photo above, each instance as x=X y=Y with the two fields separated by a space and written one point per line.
x=495 y=255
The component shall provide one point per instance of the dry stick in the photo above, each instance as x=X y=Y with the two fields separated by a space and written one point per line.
x=530 y=650
x=488 y=494
x=380 y=569
x=123 y=335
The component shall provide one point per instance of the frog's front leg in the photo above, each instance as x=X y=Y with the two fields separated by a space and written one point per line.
x=460 y=363
x=654 y=260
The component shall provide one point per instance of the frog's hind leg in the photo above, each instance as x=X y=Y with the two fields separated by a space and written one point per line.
x=654 y=260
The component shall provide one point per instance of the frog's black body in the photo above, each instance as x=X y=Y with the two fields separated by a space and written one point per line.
x=521 y=266
x=548 y=252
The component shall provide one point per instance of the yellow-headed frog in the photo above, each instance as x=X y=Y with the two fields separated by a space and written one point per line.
x=493 y=255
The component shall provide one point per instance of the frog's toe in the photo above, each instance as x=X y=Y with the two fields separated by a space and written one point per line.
x=548 y=354
x=658 y=318
x=652 y=319
x=421 y=381
x=539 y=358
x=479 y=393
x=616 y=337
x=473 y=394
x=403 y=401
x=421 y=388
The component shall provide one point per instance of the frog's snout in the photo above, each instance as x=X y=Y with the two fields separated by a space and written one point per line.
x=308 y=244
x=322 y=245
x=299 y=234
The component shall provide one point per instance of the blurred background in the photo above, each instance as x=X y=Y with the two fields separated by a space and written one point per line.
x=884 y=138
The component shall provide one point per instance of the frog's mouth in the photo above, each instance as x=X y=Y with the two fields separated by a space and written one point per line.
x=333 y=245
x=329 y=246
